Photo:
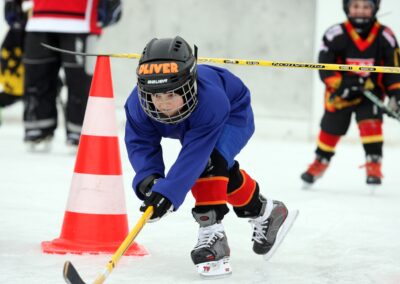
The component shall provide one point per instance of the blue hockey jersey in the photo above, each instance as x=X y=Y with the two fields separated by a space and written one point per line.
x=222 y=99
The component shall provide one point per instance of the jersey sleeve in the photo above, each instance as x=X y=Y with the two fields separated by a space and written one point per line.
x=332 y=43
x=391 y=57
x=142 y=143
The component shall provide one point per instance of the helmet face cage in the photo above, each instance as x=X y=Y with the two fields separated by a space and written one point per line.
x=188 y=92
x=375 y=3
x=362 y=24
x=167 y=66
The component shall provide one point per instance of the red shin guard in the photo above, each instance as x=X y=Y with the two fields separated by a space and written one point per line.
x=210 y=191
x=242 y=195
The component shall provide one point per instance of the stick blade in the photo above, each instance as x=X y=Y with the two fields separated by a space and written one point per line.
x=70 y=274
x=70 y=51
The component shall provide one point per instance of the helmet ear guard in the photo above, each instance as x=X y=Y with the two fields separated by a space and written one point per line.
x=195 y=51
x=167 y=66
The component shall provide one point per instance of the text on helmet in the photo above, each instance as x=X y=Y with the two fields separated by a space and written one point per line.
x=158 y=68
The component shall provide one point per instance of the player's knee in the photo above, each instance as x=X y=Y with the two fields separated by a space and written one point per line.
x=216 y=166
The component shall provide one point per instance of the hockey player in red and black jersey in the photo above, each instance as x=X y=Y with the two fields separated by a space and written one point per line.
x=73 y=25
x=361 y=40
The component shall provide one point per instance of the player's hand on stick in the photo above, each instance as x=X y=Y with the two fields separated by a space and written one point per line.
x=162 y=205
x=350 y=88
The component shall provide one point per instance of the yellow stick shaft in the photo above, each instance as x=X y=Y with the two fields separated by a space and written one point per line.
x=124 y=246
x=318 y=66
x=278 y=64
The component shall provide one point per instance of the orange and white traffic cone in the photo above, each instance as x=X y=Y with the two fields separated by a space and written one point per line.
x=95 y=220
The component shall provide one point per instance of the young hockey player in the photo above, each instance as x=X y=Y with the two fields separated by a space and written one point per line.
x=361 y=40
x=208 y=110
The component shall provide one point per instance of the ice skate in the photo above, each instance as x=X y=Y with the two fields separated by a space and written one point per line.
x=271 y=227
x=211 y=253
x=373 y=167
x=72 y=145
x=374 y=173
x=314 y=171
x=41 y=144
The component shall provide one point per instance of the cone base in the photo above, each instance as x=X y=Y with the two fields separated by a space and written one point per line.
x=62 y=246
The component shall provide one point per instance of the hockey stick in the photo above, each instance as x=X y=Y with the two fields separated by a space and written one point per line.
x=119 y=55
x=70 y=274
x=317 y=66
x=381 y=105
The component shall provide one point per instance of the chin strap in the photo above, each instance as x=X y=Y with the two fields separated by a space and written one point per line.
x=362 y=25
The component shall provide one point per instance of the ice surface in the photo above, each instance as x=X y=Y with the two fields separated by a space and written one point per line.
x=342 y=235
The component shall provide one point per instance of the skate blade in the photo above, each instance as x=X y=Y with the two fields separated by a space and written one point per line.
x=283 y=230
x=43 y=146
x=372 y=188
x=306 y=185
x=215 y=269
x=72 y=149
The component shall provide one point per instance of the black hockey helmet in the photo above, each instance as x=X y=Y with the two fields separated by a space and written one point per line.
x=167 y=65
x=362 y=23
x=376 y=4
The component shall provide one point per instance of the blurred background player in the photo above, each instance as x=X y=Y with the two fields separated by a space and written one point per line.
x=12 y=70
x=73 y=25
x=11 y=67
x=208 y=109
x=361 y=40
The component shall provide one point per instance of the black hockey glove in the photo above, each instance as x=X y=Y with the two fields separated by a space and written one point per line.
x=350 y=88
x=162 y=205
x=109 y=12
x=146 y=184
x=13 y=13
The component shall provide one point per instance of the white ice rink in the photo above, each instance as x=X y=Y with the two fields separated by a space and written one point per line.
x=344 y=234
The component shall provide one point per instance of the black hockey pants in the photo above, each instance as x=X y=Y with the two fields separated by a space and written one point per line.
x=42 y=84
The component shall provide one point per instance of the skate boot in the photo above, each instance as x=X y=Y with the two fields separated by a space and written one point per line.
x=72 y=142
x=211 y=253
x=373 y=167
x=271 y=226
x=38 y=140
x=315 y=170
